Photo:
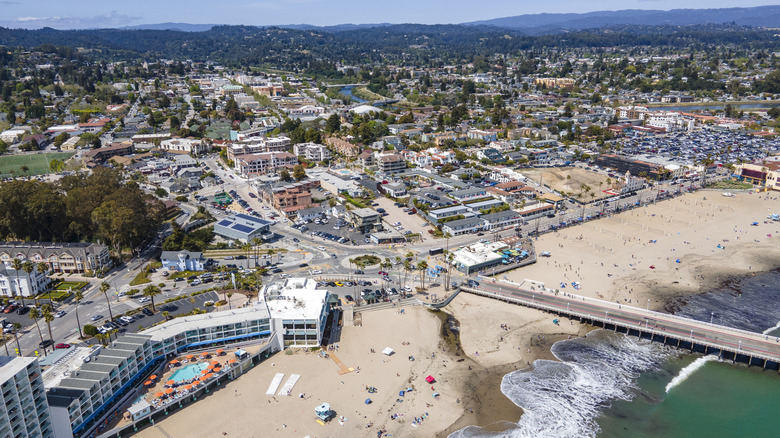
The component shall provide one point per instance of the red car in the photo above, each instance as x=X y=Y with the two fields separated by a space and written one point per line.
x=61 y=346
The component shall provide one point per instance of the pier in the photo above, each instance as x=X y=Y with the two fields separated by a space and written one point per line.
x=728 y=343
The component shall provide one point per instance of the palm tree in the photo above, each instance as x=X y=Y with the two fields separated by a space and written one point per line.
x=34 y=314
x=17 y=326
x=447 y=236
x=48 y=316
x=28 y=267
x=17 y=265
x=104 y=287
x=42 y=268
x=102 y=337
x=151 y=291
x=5 y=344
x=78 y=296
x=422 y=266
x=271 y=253
x=256 y=242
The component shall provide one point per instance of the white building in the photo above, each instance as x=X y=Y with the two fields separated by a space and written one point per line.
x=24 y=411
x=188 y=145
x=14 y=282
x=312 y=151
x=298 y=311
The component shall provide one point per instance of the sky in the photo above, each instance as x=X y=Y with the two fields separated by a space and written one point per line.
x=85 y=14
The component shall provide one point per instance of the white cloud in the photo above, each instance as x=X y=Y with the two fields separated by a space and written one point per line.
x=112 y=19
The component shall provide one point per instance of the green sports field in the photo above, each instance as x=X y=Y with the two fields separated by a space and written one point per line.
x=37 y=163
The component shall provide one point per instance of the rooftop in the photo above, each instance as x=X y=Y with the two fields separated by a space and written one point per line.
x=479 y=253
x=181 y=325
x=295 y=298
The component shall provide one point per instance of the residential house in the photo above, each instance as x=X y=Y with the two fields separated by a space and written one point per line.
x=390 y=164
x=312 y=151
x=365 y=220
x=19 y=282
x=270 y=162
x=183 y=260
x=68 y=258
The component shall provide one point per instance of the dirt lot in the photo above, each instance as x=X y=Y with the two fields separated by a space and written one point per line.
x=558 y=179
x=413 y=223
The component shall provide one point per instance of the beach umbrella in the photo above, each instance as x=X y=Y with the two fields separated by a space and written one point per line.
x=232 y=361
x=202 y=378
x=170 y=382
x=147 y=383
x=190 y=356
x=154 y=376
x=209 y=375
x=215 y=362
x=173 y=362
x=204 y=354
x=220 y=351
x=430 y=379
x=159 y=394
x=196 y=383
x=188 y=387
x=204 y=372
x=169 y=391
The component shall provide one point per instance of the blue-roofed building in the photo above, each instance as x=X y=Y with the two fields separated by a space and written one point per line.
x=243 y=227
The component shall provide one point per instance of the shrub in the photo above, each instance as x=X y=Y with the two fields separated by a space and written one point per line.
x=90 y=330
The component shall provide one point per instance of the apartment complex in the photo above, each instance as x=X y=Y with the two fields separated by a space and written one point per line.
x=67 y=258
x=291 y=200
x=185 y=145
x=389 y=164
x=260 y=164
x=312 y=151
x=254 y=145
x=13 y=282
x=24 y=411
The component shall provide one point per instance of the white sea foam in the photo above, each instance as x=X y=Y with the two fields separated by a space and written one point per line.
x=771 y=329
x=687 y=371
x=563 y=399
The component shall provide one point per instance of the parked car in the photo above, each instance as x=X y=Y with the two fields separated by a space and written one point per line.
x=147 y=311
x=96 y=317
x=45 y=343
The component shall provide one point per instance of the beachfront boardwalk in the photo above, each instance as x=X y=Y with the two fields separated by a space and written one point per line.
x=729 y=343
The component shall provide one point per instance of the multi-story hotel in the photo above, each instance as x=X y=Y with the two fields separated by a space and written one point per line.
x=24 y=411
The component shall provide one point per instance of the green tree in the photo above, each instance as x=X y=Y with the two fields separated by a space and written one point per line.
x=422 y=266
x=152 y=291
x=333 y=124
x=17 y=326
x=104 y=287
x=34 y=315
x=28 y=268
x=48 y=316
x=77 y=297
x=298 y=172
x=17 y=265
x=56 y=166
x=284 y=175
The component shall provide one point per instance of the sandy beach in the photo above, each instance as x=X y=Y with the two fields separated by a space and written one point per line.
x=610 y=258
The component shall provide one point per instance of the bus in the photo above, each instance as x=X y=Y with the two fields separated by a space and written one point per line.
x=435 y=251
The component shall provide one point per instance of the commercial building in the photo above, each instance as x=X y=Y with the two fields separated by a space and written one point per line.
x=291 y=200
x=108 y=152
x=365 y=220
x=24 y=412
x=478 y=256
x=243 y=227
x=67 y=258
x=625 y=164
x=183 y=260
x=463 y=226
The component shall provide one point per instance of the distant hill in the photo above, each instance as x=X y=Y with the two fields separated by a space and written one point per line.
x=334 y=28
x=183 y=27
x=765 y=16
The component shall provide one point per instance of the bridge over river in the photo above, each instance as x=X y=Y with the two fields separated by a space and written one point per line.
x=728 y=343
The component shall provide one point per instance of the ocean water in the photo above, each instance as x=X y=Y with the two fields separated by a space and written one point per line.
x=609 y=385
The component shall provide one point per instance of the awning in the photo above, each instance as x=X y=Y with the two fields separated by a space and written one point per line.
x=387 y=351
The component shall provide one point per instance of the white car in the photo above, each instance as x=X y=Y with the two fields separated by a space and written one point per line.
x=144 y=300
x=60 y=314
x=321 y=248
x=316 y=272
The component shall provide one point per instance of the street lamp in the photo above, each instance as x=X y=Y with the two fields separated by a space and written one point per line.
x=648 y=304
x=712 y=316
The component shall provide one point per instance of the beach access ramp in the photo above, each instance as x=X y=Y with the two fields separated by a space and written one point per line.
x=275 y=382
x=289 y=384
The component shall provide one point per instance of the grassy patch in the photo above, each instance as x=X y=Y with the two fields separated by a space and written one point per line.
x=70 y=285
x=729 y=184
x=367 y=260
x=141 y=278
x=184 y=274
x=57 y=296
x=38 y=164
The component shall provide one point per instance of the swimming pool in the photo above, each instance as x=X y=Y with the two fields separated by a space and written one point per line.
x=189 y=372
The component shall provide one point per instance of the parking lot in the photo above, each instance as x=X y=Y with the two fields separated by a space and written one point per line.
x=330 y=228
x=410 y=222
